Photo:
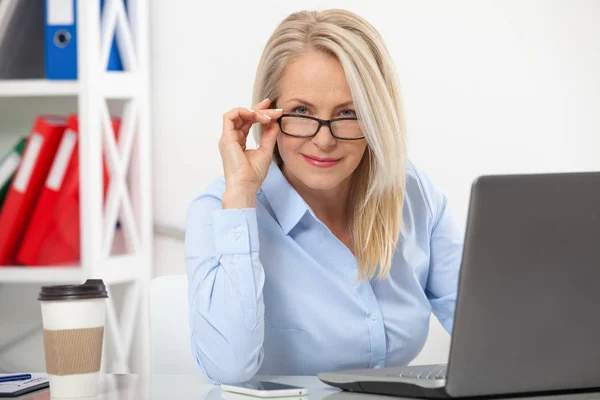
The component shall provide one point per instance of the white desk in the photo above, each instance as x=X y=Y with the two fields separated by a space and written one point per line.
x=189 y=387
x=183 y=387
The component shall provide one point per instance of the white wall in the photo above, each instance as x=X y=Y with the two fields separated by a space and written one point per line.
x=489 y=87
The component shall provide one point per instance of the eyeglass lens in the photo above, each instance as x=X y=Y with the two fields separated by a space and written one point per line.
x=303 y=127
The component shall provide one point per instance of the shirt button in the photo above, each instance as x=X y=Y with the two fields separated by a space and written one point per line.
x=374 y=317
x=377 y=366
x=239 y=229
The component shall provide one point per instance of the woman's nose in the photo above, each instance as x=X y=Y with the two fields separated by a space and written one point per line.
x=324 y=138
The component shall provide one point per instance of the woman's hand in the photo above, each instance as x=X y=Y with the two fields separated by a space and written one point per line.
x=245 y=170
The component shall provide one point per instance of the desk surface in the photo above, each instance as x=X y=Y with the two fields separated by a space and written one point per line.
x=190 y=387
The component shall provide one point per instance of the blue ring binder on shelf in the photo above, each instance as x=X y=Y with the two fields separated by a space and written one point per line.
x=61 y=41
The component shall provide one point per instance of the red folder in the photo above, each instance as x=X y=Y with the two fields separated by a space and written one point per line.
x=43 y=217
x=39 y=153
x=53 y=235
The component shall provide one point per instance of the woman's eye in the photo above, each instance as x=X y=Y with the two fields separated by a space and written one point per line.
x=351 y=113
x=300 y=108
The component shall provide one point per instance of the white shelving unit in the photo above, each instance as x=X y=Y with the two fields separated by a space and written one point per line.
x=113 y=85
x=128 y=198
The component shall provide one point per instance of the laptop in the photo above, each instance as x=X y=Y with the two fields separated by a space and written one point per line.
x=527 y=317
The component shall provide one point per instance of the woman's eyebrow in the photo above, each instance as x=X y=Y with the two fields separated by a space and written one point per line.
x=299 y=100
x=345 y=104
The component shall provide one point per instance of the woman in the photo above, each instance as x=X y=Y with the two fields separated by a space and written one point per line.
x=323 y=248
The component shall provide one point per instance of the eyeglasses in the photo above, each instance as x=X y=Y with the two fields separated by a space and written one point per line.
x=303 y=126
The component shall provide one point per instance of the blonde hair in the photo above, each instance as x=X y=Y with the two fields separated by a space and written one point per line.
x=378 y=183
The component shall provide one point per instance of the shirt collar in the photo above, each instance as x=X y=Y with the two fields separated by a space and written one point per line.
x=289 y=207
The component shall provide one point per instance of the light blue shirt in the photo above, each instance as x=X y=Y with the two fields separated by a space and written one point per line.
x=273 y=291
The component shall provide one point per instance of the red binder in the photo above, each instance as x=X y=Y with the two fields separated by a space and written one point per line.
x=43 y=217
x=41 y=147
x=53 y=235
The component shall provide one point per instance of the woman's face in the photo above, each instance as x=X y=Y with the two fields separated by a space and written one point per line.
x=314 y=84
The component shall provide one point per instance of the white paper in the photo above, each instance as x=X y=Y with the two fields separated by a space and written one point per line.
x=61 y=160
x=9 y=166
x=32 y=150
x=15 y=386
x=60 y=12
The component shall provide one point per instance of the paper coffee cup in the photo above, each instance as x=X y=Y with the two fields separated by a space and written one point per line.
x=73 y=318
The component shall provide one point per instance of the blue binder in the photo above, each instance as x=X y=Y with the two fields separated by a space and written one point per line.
x=61 y=40
x=114 y=58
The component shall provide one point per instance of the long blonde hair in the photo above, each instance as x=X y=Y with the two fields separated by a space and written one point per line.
x=378 y=183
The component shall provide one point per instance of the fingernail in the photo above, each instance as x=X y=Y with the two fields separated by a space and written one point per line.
x=265 y=100
x=267 y=116
x=249 y=109
x=278 y=109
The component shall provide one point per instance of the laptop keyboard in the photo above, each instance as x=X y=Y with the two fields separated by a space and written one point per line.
x=424 y=372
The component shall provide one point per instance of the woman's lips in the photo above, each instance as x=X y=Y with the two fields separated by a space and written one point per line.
x=321 y=162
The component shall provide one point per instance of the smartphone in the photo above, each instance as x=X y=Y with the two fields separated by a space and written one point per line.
x=265 y=389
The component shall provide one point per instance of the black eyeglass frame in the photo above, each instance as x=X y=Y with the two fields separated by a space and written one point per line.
x=321 y=123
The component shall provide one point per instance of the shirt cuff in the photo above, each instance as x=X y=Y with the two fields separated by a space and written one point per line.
x=235 y=230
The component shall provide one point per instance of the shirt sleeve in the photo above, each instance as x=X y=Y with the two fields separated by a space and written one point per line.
x=225 y=282
x=446 y=245
x=446 y=253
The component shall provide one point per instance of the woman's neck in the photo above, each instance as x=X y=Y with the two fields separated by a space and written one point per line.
x=330 y=206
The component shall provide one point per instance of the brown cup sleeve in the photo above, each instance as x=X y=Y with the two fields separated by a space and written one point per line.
x=73 y=351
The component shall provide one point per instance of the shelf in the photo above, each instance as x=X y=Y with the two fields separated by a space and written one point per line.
x=37 y=87
x=113 y=85
x=118 y=269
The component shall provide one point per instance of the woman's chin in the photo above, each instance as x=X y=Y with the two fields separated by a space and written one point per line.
x=317 y=178
x=321 y=182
